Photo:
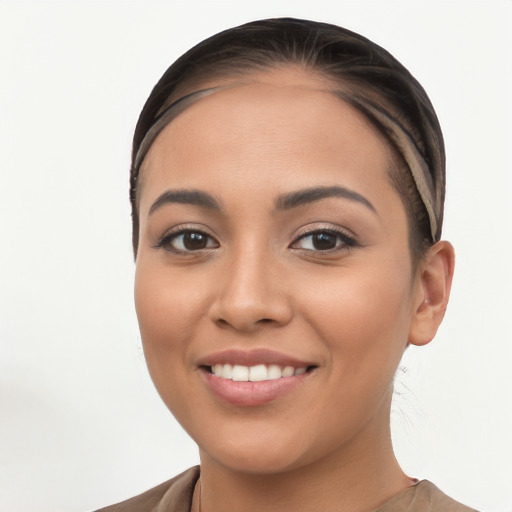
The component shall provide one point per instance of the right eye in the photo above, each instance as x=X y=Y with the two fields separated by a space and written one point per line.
x=187 y=240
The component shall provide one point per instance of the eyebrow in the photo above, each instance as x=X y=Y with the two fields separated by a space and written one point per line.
x=310 y=195
x=185 y=196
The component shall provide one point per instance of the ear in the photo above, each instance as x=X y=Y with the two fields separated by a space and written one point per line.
x=433 y=284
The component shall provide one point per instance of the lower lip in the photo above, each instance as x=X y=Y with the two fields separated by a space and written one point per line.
x=251 y=394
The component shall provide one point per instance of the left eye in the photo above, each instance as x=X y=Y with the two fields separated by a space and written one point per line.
x=188 y=241
x=322 y=241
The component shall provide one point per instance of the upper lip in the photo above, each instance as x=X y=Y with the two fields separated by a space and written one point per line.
x=252 y=358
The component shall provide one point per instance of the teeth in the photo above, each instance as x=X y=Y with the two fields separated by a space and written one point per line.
x=227 y=371
x=288 y=371
x=256 y=373
x=240 y=373
x=274 y=372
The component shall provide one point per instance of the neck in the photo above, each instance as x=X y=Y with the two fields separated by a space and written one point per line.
x=358 y=477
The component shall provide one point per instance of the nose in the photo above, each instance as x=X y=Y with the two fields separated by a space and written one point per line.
x=252 y=292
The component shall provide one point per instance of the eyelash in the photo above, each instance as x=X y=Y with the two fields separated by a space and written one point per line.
x=166 y=241
x=346 y=241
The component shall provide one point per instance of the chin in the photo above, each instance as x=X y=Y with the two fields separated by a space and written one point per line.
x=255 y=460
x=269 y=451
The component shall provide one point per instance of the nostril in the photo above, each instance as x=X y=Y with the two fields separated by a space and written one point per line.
x=223 y=323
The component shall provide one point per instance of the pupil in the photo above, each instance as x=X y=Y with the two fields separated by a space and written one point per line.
x=324 y=241
x=194 y=241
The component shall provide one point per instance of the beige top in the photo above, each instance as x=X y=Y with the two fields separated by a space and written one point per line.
x=175 y=495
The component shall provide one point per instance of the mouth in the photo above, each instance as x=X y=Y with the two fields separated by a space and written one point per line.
x=256 y=373
x=255 y=377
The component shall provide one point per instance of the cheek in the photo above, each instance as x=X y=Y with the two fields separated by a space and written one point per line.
x=166 y=303
x=362 y=320
x=168 y=307
x=362 y=316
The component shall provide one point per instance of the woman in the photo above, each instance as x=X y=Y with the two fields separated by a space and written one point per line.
x=287 y=191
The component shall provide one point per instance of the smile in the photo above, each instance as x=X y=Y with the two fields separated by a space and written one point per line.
x=257 y=373
x=255 y=377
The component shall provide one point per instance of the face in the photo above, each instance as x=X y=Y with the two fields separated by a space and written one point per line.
x=273 y=248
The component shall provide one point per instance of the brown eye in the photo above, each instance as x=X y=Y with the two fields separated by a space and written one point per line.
x=324 y=241
x=188 y=241
x=195 y=241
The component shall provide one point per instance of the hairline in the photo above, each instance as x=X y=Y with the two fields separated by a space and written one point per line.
x=225 y=74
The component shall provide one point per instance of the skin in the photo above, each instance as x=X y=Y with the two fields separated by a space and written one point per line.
x=351 y=310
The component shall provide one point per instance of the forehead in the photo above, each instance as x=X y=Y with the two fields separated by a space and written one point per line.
x=282 y=113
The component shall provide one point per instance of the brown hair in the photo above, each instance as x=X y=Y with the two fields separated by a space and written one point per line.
x=367 y=76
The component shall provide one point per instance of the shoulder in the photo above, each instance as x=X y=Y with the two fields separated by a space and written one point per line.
x=172 y=495
x=423 y=497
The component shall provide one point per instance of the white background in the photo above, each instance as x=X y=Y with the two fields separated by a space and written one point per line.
x=80 y=423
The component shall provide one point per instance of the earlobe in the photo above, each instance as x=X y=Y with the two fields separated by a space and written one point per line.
x=432 y=293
